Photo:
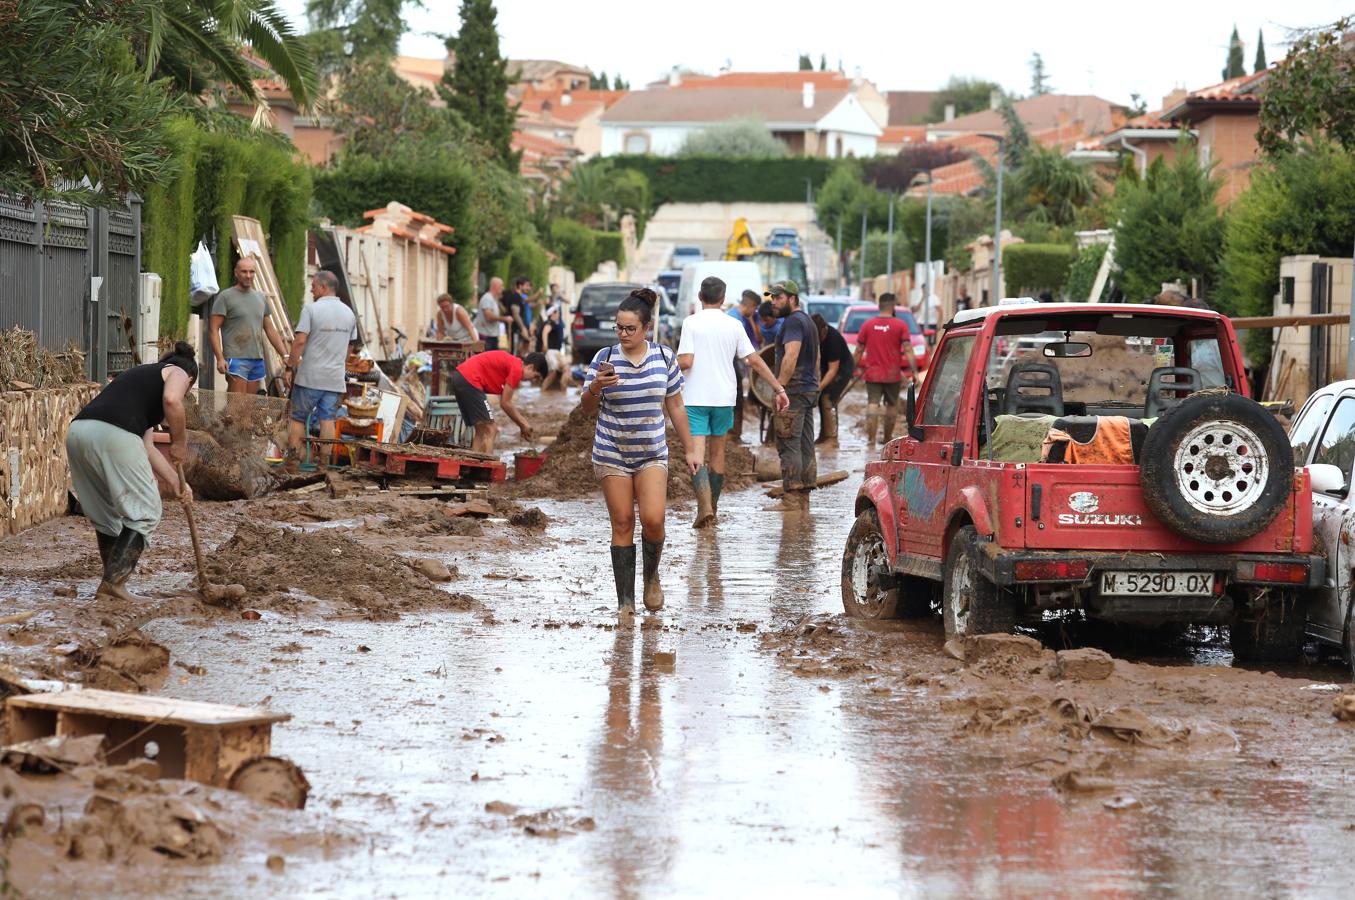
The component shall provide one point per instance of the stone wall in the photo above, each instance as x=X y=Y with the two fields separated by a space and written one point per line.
x=34 y=477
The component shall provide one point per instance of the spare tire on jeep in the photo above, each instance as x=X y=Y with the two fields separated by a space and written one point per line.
x=1217 y=468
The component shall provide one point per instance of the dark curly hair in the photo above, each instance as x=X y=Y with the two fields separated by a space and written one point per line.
x=642 y=302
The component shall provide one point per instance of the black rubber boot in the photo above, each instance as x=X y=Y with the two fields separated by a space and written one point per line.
x=121 y=562
x=623 y=570
x=105 y=546
x=717 y=484
x=653 y=590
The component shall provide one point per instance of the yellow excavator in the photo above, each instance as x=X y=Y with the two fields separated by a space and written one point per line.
x=774 y=264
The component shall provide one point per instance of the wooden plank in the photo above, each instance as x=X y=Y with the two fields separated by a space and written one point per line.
x=147 y=708
x=1243 y=322
x=774 y=489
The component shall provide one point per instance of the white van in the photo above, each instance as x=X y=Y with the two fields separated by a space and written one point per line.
x=737 y=276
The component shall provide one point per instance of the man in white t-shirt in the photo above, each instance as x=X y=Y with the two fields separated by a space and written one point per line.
x=711 y=341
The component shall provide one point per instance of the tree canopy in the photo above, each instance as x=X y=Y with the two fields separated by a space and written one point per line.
x=967 y=94
x=1260 y=64
x=355 y=29
x=737 y=137
x=1039 y=78
x=1233 y=66
x=477 y=86
x=1311 y=92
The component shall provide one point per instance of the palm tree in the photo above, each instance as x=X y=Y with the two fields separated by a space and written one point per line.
x=195 y=43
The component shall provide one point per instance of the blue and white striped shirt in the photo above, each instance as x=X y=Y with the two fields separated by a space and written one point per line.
x=631 y=429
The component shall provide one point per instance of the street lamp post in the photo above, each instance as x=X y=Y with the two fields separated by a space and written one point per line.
x=889 y=247
x=996 y=290
x=927 y=300
x=862 y=267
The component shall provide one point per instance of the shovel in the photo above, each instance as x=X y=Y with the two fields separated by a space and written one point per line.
x=215 y=596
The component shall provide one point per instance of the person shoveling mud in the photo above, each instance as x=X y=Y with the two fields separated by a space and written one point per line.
x=114 y=464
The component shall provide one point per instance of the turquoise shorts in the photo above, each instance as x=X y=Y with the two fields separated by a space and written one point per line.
x=710 y=421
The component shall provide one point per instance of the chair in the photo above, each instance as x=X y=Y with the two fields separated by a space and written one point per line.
x=1040 y=378
x=1185 y=381
x=444 y=414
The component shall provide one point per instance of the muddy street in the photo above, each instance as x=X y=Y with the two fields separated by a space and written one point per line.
x=498 y=732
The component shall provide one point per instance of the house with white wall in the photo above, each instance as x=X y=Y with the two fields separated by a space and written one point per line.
x=808 y=120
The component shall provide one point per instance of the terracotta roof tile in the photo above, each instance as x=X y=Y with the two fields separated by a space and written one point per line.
x=1038 y=113
x=783 y=80
x=775 y=105
x=904 y=134
x=908 y=106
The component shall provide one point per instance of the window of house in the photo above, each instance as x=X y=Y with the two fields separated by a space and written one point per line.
x=944 y=386
x=636 y=142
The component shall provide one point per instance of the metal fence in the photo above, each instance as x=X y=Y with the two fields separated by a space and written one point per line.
x=71 y=275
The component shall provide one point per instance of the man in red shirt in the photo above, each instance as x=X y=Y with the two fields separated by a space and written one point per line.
x=493 y=372
x=883 y=341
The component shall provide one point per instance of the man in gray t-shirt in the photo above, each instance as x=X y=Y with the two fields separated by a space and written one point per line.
x=489 y=317
x=315 y=367
x=239 y=322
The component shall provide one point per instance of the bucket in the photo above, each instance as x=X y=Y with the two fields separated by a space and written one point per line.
x=525 y=465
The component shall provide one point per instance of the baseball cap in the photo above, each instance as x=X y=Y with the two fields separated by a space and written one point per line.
x=782 y=287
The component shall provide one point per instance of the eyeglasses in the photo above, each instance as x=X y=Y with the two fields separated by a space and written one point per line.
x=627 y=329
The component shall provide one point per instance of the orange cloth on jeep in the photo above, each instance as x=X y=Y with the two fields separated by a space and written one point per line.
x=1110 y=445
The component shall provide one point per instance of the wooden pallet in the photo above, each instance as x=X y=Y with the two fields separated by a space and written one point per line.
x=204 y=742
x=430 y=463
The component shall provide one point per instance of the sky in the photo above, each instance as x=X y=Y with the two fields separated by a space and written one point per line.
x=1148 y=47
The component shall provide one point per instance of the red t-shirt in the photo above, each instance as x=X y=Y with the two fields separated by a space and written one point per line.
x=883 y=337
x=491 y=370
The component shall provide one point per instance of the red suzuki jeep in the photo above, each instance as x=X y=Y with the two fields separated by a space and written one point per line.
x=1098 y=458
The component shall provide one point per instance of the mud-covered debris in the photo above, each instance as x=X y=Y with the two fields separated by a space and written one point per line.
x=1121 y=803
x=433 y=569
x=1134 y=726
x=498 y=807
x=1004 y=646
x=532 y=518
x=111 y=829
x=53 y=754
x=272 y=781
x=954 y=649
x=275 y=863
x=475 y=509
x=1343 y=708
x=1085 y=664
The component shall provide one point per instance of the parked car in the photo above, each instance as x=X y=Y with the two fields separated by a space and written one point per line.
x=684 y=255
x=784 y=238
x=669 y=281
x=1323 y=438
x=831 y=308
x=859 y=314
x=594 y=325
x=1200 y=518
x=737 y=276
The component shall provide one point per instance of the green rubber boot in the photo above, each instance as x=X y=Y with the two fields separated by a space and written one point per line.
x=623 y=571
x=717 y=485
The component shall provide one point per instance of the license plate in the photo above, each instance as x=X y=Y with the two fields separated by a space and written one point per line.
x=1169 y=584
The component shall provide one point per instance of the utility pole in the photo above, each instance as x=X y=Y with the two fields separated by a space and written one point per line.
x=841 y=261
x=862 y=267
x=927 y=300
x=889 y=248
x=995 y=293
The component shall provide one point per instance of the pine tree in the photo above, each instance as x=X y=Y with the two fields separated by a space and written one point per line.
x=599 y=82
x=1260 y=64
x=823 y=62
x=1039 y=78
x=477 y=87
x=806 y=64
x=1234 y=66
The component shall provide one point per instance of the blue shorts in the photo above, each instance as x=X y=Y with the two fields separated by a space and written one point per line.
x=248 y=369
x=710 y=421
x=310 y=404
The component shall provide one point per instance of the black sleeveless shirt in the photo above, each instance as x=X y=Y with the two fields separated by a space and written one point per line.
x=134 y=401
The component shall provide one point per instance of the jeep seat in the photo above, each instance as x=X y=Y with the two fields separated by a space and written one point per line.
x=1033 y=387
x=1184 y=382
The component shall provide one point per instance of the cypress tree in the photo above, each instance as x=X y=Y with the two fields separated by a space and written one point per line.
x=1260 y=64
x=477 y=86
x=806 y=63
x=1235 y=65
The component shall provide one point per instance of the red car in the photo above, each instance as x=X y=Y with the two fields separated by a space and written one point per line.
x=856 y=316
x=1071 y=458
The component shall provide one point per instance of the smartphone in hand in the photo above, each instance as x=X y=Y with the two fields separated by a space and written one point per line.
x=606 y=368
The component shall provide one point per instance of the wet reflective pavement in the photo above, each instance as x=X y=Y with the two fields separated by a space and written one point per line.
x=537 y=748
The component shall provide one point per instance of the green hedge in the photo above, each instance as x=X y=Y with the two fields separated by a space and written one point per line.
x=435 y=186
x=577 y=246
x=1082 y=273
x=1031 y=268
x=220 y=176
x=701 y=179
x=610 y=246
x=526 y=258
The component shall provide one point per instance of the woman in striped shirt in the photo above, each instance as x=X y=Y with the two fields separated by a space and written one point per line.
x=631 y=385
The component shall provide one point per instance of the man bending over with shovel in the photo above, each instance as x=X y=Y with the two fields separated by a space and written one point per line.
x=114 y=464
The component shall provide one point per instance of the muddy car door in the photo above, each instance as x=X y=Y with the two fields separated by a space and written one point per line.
x=930 y=452
x=1325 y=433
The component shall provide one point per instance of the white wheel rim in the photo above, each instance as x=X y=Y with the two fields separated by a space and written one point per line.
x=870 y=554
x=1221 y=468
x=961 y=596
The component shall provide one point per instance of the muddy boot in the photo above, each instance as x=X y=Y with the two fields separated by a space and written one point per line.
x=829 y=427
x=122 y=556
x=653 y=590
x=889 y=423
x=623 y=570
x=717 y=485
x=105 y=546
x=791 y=501
x=872 y=422
x=705 y=508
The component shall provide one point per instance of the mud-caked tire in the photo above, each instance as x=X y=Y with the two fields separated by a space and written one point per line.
x=870 y=589
x=970 y=603
x=1273 y=633
x=1216 y=469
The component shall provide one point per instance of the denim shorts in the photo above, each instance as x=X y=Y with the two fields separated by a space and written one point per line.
x=310 y=404
x=248 y=369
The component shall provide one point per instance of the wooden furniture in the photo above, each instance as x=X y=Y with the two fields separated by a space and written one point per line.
x=447 y=355
x=204 y=742
x=444 y=414
x=430 y=463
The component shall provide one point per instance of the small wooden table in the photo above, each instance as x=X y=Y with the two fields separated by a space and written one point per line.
x=204 y=742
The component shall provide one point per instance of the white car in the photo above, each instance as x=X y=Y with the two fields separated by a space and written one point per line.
x=1323 y=438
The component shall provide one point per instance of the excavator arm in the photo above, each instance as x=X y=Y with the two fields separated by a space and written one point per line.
x=741 y=239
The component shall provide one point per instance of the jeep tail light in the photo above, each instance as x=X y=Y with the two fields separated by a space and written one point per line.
x=1052 y=570
x=578 y=322
x=1275 y=572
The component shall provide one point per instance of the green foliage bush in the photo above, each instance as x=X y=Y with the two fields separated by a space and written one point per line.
x=526 y=258
x=1082 y=273
x=877 y=253
x=702 y=179
x=576 y=245
x=218 y=176
x=610 y=246
x=1031 y=268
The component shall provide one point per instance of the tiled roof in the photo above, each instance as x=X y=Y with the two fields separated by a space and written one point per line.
x=537 y=69
x=420 y=71
x=404 y=222
x=551 y=107
x=904 y=134
x=906 y=107
x=1038 y=113
x=783 y=80
x=774 y=105
x=1241 y=93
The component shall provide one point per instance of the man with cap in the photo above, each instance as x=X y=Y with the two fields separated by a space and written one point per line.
x=797 y=370
x=711 y=341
